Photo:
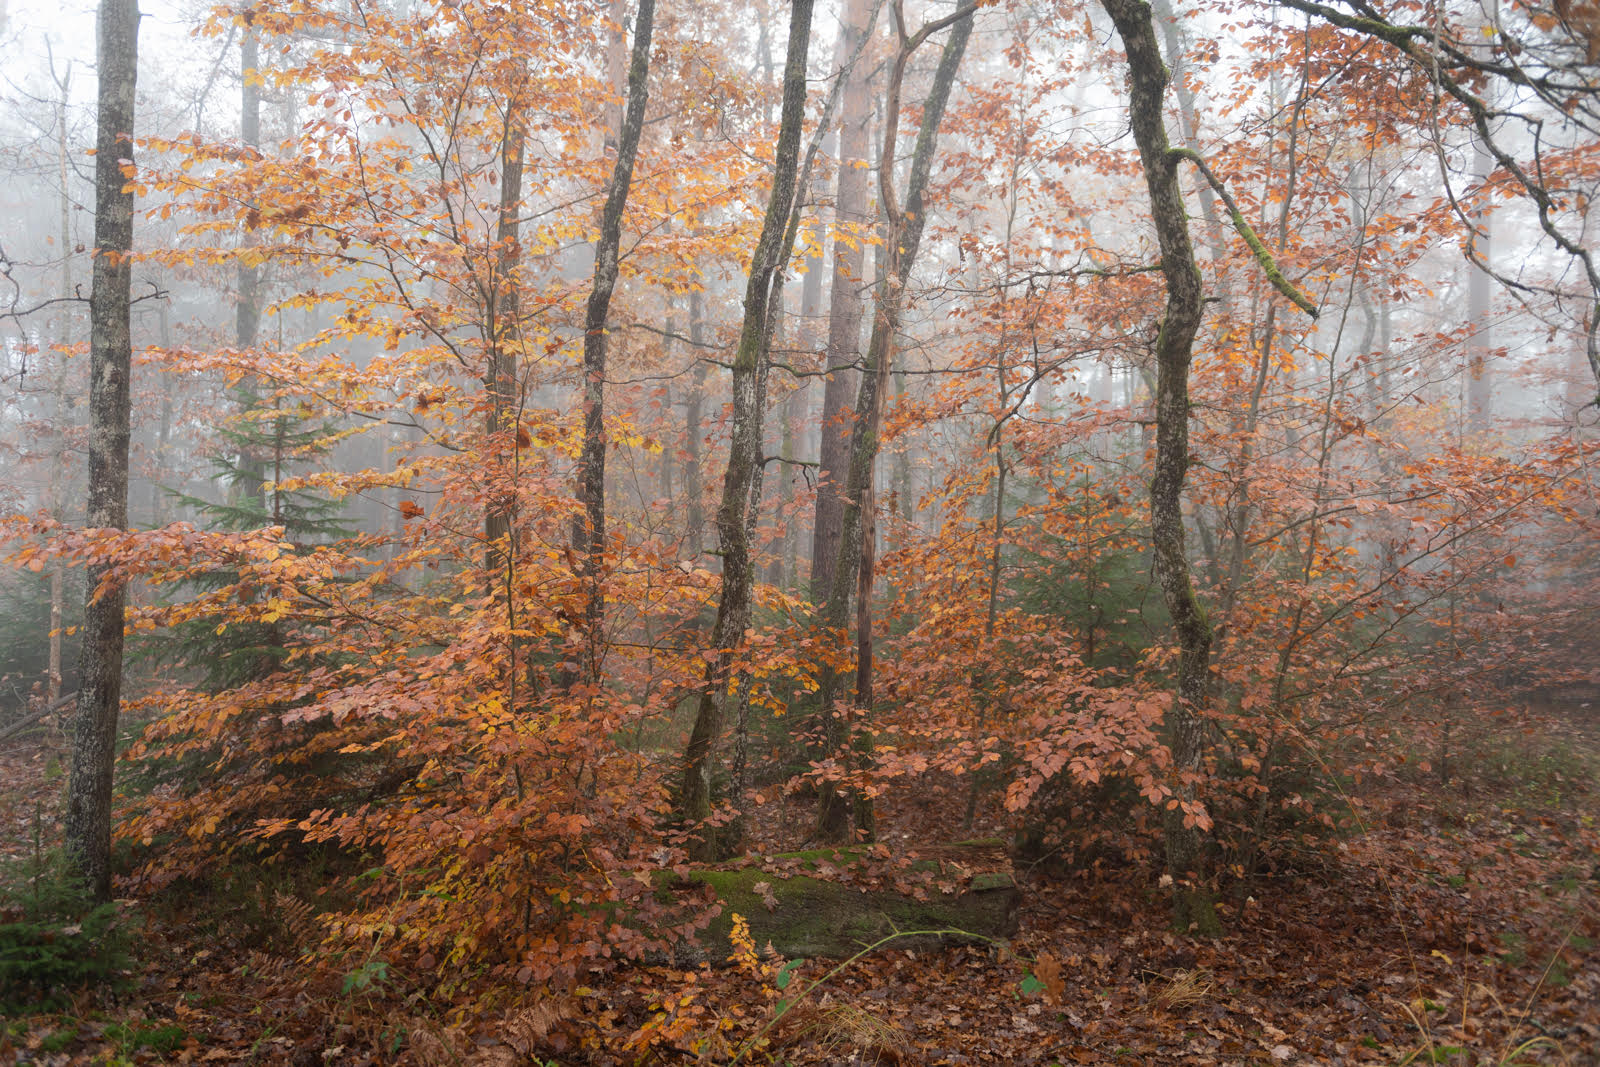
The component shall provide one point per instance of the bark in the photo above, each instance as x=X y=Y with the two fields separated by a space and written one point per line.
x=1185 y=720
x=591 y=532
x=854 y=566
x=845 y=303
x=1480 y=390
x=247 y=313
x=252 y=482
x=88 y=828
x=693 y=477
x=504 y=334
x=733 y=605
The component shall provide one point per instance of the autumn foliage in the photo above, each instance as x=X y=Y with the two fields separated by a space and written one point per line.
x=472 y=721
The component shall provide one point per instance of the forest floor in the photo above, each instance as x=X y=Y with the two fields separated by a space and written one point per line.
x=1461 y=926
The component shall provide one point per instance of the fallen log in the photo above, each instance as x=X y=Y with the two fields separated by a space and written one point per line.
x=33 y=717
x=834 y=902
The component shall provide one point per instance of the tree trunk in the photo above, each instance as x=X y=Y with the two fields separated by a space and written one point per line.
x=88 y=829
x=845 y=303
x=1185 y=721
x=733 y=606
x=503 y=334
x=693 y=472
x=58 y=394
x=251 y=486
x=1480 y=390
x=854 y=565
x=247 y=313
x=591 y=532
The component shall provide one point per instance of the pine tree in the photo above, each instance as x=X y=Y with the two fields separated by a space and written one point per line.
x=264 y=443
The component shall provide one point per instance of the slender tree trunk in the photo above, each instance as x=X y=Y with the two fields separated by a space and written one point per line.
x=592 y=461
x=1186 y=722
x=783 y=567
x=88 y=829
x=693 y=471
x=845 y=302
x=247 y=312
x=1480 y=389
x=252 y=483
x=58 y=396
x=733 y=606
x=504 y=333
x=854 y=566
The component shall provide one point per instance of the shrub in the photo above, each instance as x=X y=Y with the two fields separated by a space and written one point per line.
x=53 y=937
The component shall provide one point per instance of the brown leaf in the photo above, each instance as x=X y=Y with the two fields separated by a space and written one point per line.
x=1047 y=969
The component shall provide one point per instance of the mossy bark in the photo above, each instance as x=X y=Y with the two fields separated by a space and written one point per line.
x=744 y=454
x=837 y=810
x=1186 y=845
x=802 y=914
x=88 y=829
x=590 y=533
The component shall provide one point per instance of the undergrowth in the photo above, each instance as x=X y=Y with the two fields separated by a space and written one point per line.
x=54 y=938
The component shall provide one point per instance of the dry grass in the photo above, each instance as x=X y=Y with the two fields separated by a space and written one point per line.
x=846 y=1034
x=1184 y=989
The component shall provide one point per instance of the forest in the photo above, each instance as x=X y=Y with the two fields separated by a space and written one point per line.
x=868 y=531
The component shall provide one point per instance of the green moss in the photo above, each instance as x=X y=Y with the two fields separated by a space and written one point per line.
x=806 y=916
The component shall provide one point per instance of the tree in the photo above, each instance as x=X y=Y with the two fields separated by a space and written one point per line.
x=744 y=453
x=110 y=370
x=1545 y=56
x=1186 y=818
x=854 y=568
x=844 y=297
x=592 y=461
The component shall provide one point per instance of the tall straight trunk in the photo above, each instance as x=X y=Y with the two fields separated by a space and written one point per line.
x=58 y=395
x=794 y=406
x=591 y=532
x=504 y=333
x=1238 y=517
x=88 y=829
x=693 y=474
x=733 y=606
x=1479 y=301
x=247 y=276
x=247 y=313
x=1186 y=718
x=845 y=303
x=854 y=564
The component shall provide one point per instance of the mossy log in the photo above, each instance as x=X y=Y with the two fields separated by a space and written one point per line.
x=834 y=902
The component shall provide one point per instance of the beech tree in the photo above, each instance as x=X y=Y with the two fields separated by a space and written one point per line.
x=1184 y=530
x=744 y=455
x=110 y=370
x=592 y=461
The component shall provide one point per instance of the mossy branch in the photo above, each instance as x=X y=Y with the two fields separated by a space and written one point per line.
x=1269 y=266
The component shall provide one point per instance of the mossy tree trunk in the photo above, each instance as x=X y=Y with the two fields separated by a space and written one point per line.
x=1186 y=845
x=744 y=447
x=591 y=531
x=88 y=829
x=854 y=567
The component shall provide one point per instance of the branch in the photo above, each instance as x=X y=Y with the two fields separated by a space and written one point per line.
x=1269 y=266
